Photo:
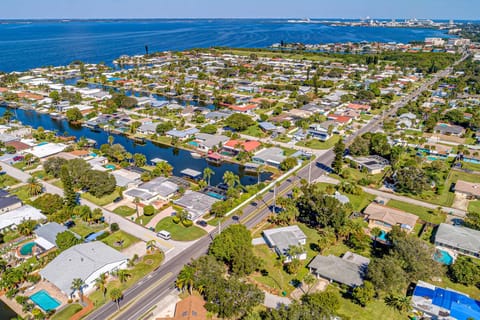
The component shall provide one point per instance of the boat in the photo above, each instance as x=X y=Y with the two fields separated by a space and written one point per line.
x=56 y=116
x=304 y=20
x=195 y=155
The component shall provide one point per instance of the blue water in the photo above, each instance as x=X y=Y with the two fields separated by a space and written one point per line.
x=44 y=301
x=40 y=43
x=382 y=236
x=475 y=161
x=215 y=195
x=179 y=159
x=26 y=249
x=443 y=257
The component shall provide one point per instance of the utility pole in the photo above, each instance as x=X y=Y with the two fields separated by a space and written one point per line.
x=310 y=172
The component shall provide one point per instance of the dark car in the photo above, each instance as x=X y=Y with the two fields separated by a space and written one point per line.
x=235 y=218
x=118 y=199
x=202 y=223
x=69 y=224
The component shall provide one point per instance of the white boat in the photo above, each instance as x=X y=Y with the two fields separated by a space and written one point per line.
x=195 y=155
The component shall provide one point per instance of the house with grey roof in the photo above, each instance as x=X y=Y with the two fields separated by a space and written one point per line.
x=126 y=178
x=349 y=270
x=47 y=235
x=282 y=239
x=157 y=189
x=8 y=202
x=460 y=239
x=373 y=164
x=449 y=129
x=270 y=156
x=86 y=261
x=182 y=134
x=206 y=142
x=196 y=203
x=11 y=219
x=148 y=128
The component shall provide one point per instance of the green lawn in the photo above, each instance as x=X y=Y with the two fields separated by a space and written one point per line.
x=103 y=201
x=22 y=193
x=67 y=312
x=58 y=183
x=22 y=165
x=11 y=235
x=127 y=239
x=124 y=211
x=6 y=180
x=178 y=231
x=141 y=269
x=83 y=229
x=42 y=175
x=254 y=131
x=471 y=166
x=144 y=220
x=282 y=138
x=317 y=144
x=474 y=206
x=423 y=213
x=376 y=309
x=360 y=202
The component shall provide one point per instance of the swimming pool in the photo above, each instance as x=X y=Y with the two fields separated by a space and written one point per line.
x=215 y=195
x=193 y=143
x=471 y=160
x=26 y=249
x=42 y=144
x=110 y=167
x=382 y=236
x=443 y=257
x=44 y=301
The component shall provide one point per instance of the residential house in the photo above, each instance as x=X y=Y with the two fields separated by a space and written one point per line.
x=458 y=238
x=273 y=156
x=359 y=107
x=86 y=261
x=182 y=134
x=283 y=239
x=349 y=270
x=190 y=308
x=234 y=147
x=247 y=109
x=11 y=219
x=126 y=178
x=449 y=129
x=467 y=190
x=433 y=302
x=320 y=131
x=197 y=204
x=385 y=218
x=157 y=189
x=208 y=142
x=47 y=235
x=373 y=164
x=148 y=128
x=8 y=202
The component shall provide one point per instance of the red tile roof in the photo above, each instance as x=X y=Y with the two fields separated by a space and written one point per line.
x=340 y=119
x=243 y=108
x=248 y=146
x=358 y=106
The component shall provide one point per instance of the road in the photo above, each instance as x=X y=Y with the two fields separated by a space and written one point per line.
x=139 y=299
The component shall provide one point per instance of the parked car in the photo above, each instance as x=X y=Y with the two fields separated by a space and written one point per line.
x=202 y=223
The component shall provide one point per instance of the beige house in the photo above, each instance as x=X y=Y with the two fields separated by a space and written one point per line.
x=385 y=218
x=467 y=189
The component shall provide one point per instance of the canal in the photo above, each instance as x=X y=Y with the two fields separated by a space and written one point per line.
x=178 y=158
x=5 y=312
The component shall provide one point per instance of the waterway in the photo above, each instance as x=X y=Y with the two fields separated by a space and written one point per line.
x=180 y=159
x=5 y=312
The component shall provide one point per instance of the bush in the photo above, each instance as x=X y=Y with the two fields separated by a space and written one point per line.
x=148 y=211
x=176 y=220
x=187 y=223
x=114 y=227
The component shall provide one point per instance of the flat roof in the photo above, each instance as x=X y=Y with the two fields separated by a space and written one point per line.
x=191 y=173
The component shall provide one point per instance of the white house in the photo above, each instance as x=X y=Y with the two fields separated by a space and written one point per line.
x=282 y=239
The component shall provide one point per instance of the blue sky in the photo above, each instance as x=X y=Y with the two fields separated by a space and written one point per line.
x=439 y=9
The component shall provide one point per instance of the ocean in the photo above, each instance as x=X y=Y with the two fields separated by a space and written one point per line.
x=29 y=44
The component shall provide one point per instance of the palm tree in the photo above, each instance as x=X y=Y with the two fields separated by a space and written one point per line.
x=401 y=303
x=182 y=215
x=136 y=201
x=376 y=232
x=123 y=275
x=230 y=179
x=110 y=140
x=163 y=168
x=186 y=279
x=151 y=244
x=101 y=283
x=207 y=174
x=116 y=295
x=77 y=285
x=34 y=187
x=309 y=280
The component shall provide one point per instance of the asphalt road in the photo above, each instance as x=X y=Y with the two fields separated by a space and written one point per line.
x=139 y=299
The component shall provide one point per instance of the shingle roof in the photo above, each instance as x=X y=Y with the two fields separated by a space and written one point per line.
x=49 y=231
x=390 y=215
x=339 y=270
x=79 y=261
x=458 y=237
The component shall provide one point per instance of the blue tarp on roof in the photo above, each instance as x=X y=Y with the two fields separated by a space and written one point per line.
x=461 y=306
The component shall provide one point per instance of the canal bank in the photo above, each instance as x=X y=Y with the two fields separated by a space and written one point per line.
x=6 y=312
x=180 y=159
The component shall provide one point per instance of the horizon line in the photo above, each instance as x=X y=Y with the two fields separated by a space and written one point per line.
x=232 y=18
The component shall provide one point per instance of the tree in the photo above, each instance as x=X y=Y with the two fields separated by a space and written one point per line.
x=150 y=245
x=326 y=303
x=77 y=285
x=123 y=275
x=234 y=247
x=35 y=187
x=66 y=239
x=239 y=121
x=231 y=179
x=74 y=114
x=207 y=174
x=186 y=279
x=209 y=128
x=163 y=127
x=364 y=294
x=101 y=283
x=116 y=295
x=48 y=203
x=162 y=168
x=25 y=228
x=69 y=193
x=339 y=150
x=288 y=164
x=53 y=166
x=411 y=180
x=399 y=302
x=99 y=183
x=148 y=210
x=139 y=159
x=473 y=220
x=465 y=271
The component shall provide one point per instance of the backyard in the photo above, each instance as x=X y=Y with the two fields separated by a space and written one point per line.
x=320 y=145
x=67 y=312
x=101 y=201
x=423 y=213
x=83 y=229
x=6 y=180
x=178 y=231
x=474 y=206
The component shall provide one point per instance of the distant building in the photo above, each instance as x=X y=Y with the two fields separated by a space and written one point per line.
x=190 y=308
x=11 y=219
x=373 y=164
x=449 y=129
x=460 y=239
x=206 y=142
x=281 y=239
x=8 y=202
x=349 y=270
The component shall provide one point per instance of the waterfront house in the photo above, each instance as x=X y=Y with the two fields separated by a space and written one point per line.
x=458 y=238
x=234 y=147
x=349 y=270
x=467 y=190
x=86 y=261
x=157 y=189
x=126 y=178
x=281 y=240
x=182 y=134
x=207 y=142
x=385 y=218
x=148 y=128
x=196 y=203
x=271 y=156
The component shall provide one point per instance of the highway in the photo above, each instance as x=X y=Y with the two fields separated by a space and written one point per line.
x=139 y=299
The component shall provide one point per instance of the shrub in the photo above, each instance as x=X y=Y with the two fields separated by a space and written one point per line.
x=187 y=223
x=114 y=227
x=103 y=236
x=148 y=210
x=176 y=220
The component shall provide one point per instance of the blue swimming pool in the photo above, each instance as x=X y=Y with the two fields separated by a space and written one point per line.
x=110 y=167
x=193 y=143
x=382 y=236
x=44 y=301
x=443 y=257
x=471 y=160
x=216 y=195
x=27 y=248
x=42 y=143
